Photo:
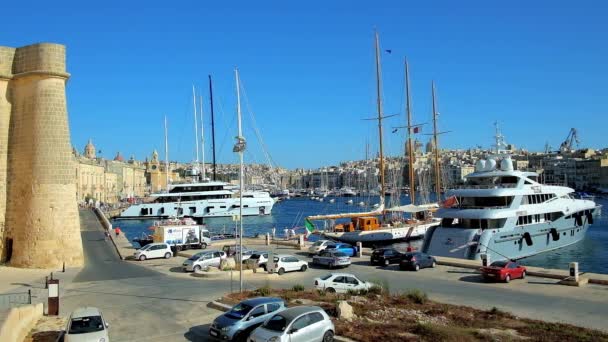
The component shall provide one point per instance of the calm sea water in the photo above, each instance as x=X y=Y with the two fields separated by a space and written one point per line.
x=591 y=252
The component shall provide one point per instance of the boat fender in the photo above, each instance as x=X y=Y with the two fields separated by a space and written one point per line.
x=578 y=219
x=528 y=239
x=554 y=234
x=589 y=217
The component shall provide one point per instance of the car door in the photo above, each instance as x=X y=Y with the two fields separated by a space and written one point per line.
x=338 y=284
x=206 y=259
x=351 y=283
x=300 y=330
x=514 y=270
x=215 y=259
x=256 y=317
x=158 y=251
x=294 y=263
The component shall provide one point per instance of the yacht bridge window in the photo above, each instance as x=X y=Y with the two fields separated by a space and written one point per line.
x=196 y=188
x=473 y=223
x=484 y=202
x=170 y=199
x=536 y=199
x=491 y=182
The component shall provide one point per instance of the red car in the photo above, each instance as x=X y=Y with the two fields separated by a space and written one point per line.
x=503 y=271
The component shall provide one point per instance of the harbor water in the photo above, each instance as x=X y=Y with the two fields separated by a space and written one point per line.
x=591 y=252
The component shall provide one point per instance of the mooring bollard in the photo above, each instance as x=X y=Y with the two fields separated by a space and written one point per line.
x=574 y=270
x=359 y=249
x=267 y=239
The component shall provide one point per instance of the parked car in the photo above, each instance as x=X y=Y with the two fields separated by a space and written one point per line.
x=243 y=318
x=260 y=257
x=385 y=256
x=284 y=263
x=341 y=283
x=342 y=247
x=331 y=259
x=202 y=260
x=416 y=260
x=86 y=324
x=503 y=271
x=319 y=246
x=247 y=253
x=153 y=250
x=297 y=324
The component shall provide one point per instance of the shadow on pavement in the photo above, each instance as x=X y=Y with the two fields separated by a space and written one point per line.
x=199 y=333
x=463 y=272
x=543 y=283
x=177 y=269
x=473 y=279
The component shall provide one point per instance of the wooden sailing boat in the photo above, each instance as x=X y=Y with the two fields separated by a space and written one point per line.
x=365 y=226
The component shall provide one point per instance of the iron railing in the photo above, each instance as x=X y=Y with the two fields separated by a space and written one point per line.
x=11 y=300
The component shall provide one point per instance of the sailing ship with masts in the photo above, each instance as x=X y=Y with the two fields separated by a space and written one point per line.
x=366 y=226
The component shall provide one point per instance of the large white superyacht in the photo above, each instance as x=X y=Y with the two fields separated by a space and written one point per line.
x=200 y=200
x=507 y=214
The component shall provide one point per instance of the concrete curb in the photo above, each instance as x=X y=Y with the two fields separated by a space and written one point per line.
x=223 y=307
x=105 y=223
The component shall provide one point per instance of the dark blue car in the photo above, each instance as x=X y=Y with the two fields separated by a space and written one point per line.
x=344 y=248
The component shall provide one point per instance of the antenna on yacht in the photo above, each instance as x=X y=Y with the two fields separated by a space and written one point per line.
x=195 y=124
x=239 y=147
x=203 y=175
x=212 y=126
x=166 y=155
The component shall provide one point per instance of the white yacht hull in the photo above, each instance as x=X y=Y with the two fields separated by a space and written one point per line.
x=386 y=235
x=200 y=209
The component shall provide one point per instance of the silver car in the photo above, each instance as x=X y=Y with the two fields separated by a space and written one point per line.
x=298 y=324
x=86 y=324
x=243 y=318
x=331 y=259
x=202 y=260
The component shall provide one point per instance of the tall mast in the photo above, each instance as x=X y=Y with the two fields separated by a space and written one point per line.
x=200 y=103
x=166 y=155
x=410 y=151
x=212 y=125
x=379 y=102
x=240 y=148
x=436 y=149
x=195 y=123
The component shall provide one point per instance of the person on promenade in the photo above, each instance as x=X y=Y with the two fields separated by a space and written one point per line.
x=286 y=233
x=106 y=235
x=274 y=229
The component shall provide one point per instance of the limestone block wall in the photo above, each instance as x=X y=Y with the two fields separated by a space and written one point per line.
x=6 y=71
x=41 y=212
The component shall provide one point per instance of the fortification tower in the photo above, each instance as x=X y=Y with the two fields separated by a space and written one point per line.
x=42 y=224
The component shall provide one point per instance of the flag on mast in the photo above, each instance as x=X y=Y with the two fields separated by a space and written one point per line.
x=309 y=227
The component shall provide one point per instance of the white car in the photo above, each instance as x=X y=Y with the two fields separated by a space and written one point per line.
x=284 y=263
x=297 y=324
x=153 y=250
x=202 y=260
x=86 y=324
x=261 y=258
x=319 y=246
x=341 y=283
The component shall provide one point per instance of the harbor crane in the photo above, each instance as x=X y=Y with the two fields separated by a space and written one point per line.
x=567 y=145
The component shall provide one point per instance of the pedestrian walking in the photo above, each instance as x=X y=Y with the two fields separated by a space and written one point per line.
x=273 y=232
x=286 y=233
x=106 y=235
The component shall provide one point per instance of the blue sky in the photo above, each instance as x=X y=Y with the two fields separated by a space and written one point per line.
x=539 y=68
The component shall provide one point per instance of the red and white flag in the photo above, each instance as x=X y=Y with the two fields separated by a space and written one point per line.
x=450 y=202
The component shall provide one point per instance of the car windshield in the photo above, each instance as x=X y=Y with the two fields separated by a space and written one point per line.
x=317 y=244
x=325 y=277
x=276 y=323
x=145 y=248
x=84 y=325
x=196 y=256
x=499 y=264
x=239 y=310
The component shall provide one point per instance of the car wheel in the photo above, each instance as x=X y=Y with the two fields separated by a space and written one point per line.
x=330 y=290
x=203 y=245
x=197 y=268
x=142 y=257
x=264 y=267
x=507 y=278
x=386 y=262
x=281 y=271
x=328 y=336
x=240 y=336
x=167 y=255
x=417 y=268
x=303 y=268
x=523 y=275
x=434 y=264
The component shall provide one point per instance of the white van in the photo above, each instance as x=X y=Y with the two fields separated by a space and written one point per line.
x=183 y=236
x=153 y=250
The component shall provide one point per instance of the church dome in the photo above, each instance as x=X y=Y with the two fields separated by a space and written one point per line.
x=89 y=150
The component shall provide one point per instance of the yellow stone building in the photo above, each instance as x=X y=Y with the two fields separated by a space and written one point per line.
x=156 y=174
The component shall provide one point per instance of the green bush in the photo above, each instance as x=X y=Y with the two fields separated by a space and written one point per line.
x=375 y=290
x=263 y=291
x=417 y=296
x=363 y=292
x=321 y=292
x=352 y=292
x=298 y=288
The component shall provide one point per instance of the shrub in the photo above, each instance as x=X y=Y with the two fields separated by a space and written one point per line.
x=363 y=292
x=417 y=296
x=352 y=292
x=321 y=292
x=298 y=288
x=375 y=290
x=263 y=291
